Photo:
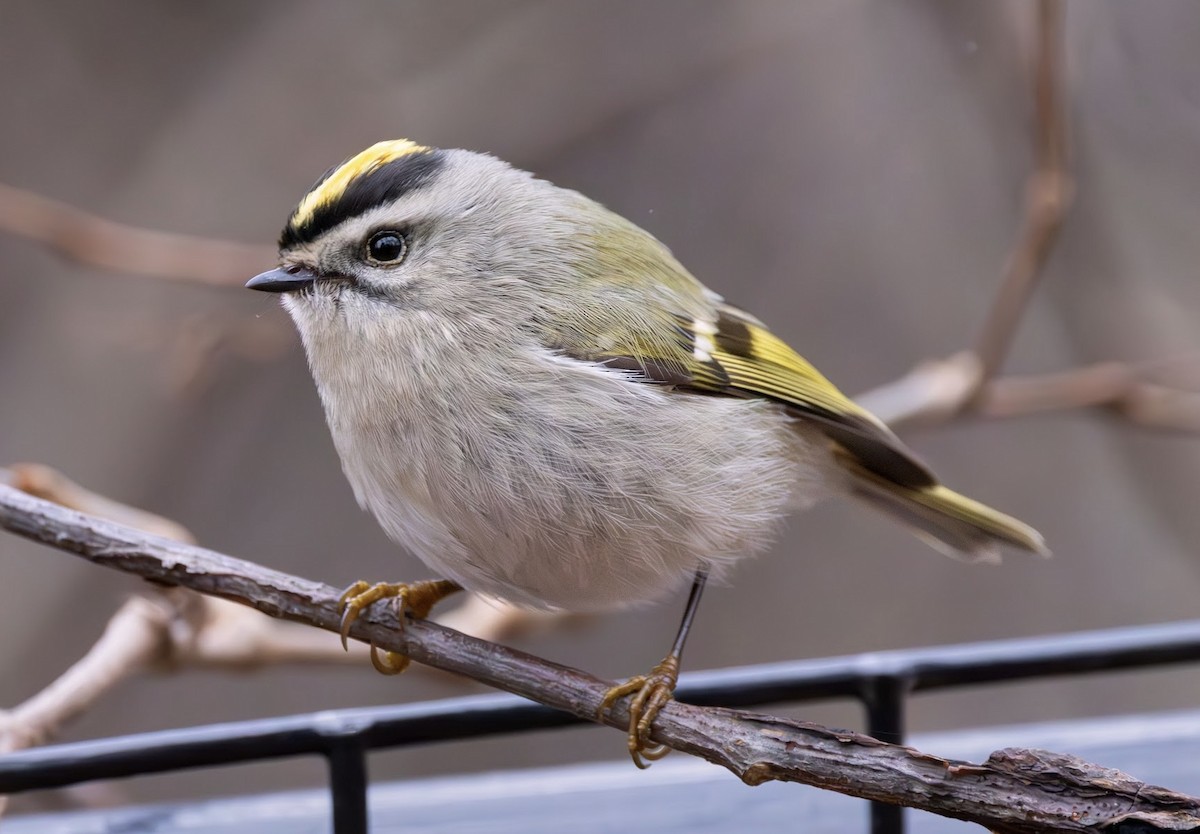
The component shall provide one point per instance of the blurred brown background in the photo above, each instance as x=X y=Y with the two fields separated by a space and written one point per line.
x=851 y=171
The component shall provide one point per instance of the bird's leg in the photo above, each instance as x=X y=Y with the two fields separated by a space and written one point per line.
x=415 y=600
x=652 y=692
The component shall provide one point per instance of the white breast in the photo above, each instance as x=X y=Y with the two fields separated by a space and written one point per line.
x=550 y=482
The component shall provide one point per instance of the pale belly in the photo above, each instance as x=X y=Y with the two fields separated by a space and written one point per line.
x=596 y=496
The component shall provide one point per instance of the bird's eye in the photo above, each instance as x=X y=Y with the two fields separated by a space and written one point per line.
x=386 y=247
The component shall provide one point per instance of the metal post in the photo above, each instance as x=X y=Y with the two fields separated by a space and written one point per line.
x=883 y=696
x=348 y=784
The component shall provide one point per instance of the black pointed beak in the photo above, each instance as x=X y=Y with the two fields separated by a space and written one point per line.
x=282 y=280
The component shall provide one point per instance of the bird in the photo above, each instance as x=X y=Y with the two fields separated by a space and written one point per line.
x=532 y=395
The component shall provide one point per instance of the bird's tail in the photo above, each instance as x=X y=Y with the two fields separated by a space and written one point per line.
x=951 y=523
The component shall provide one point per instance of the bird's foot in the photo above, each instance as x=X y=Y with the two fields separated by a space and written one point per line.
x=650 y=694
x=415 y=600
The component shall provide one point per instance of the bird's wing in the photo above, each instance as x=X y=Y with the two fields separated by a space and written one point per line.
x=731 y=353
x=759 y=363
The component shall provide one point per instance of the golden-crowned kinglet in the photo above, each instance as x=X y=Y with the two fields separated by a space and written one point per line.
x=533 y=396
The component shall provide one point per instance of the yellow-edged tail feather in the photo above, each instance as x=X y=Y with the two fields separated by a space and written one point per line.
x=954 y=524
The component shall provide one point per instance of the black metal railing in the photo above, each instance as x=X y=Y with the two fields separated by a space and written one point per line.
x=881 y=681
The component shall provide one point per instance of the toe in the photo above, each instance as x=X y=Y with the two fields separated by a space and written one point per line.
x=350 y=593
x=618 y=692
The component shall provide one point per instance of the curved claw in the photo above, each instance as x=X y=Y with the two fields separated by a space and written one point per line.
x=350 y=610
x=348 y=617
x=388 y=663
x=643 y=756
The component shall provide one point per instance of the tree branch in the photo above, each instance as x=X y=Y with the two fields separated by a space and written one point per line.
x=937 y=391
x=96 y=241
x=1017 y=791
x=941 y=390
x=1048 y=194
x=1125 y=389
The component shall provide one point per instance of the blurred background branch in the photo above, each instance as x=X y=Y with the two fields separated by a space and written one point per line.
x=967 y=383
x=936 y=391
x=1048 y=195
x=116 y=247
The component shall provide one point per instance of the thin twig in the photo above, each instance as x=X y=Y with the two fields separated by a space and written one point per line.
x=940 y=390
x=95 y=241
x=131 y=642
x=934 y=391
x=1048 y=195
x=1014 y=791
x=1119 y=387
x=51 y=485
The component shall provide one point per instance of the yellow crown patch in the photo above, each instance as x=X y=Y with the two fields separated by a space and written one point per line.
x=332 y=187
